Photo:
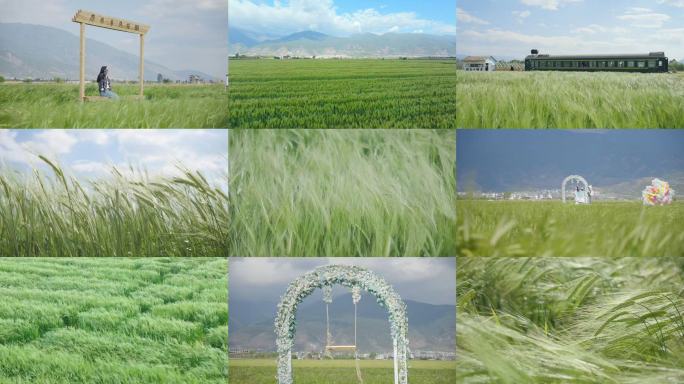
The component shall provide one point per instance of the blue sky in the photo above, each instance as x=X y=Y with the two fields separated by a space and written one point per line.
x=505 y=160
x=429 y=280
x=343 y=17
x=185 y=34
x=511 y=28
x=90 y=153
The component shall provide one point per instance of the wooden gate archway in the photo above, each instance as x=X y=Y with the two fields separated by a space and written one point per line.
x=90 y=18
x=352 y=277
x=576 y=178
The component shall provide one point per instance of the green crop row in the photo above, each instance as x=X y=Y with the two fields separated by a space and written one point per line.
x=148 y=333
x=342 y=94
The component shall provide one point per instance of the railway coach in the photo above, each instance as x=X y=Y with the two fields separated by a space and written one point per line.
x=651 y=62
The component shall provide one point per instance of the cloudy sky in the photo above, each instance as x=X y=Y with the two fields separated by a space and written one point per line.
x=511 y=28
x=184 y=34
x=90 y=153
x=509 y=160
x=343 y=17
x=429 y=280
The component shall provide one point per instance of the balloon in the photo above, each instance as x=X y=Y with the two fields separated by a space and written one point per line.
x=658 y=193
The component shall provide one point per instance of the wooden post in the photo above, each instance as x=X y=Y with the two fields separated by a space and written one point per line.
x=82 y=75
x=142 y=64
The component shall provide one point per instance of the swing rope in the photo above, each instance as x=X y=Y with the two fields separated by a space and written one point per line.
x=329 y=344
x=356 y=351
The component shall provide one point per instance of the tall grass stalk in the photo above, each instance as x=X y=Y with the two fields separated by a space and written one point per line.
x=127 y=214
x=342 y=193
x=570 y=320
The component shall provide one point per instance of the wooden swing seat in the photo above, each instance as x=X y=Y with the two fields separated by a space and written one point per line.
x=340 y=348
x=96 y=98
x=102 y=98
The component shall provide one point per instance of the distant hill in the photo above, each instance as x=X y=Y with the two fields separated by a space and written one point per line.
x=36 y=51
x=431 y=327
x=312 y=43
x=304 y=35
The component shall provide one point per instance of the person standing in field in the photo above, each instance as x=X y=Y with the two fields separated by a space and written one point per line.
x=104 y=84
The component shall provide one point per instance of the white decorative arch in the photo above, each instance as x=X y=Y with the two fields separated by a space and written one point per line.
x=577 y=178
x=351 y=277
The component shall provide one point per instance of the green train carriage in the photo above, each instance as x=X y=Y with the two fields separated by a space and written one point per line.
x=654 y=62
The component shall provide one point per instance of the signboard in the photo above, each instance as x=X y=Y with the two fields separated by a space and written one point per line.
x=97 y=20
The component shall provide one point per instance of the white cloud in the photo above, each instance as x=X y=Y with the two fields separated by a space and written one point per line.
x=464 y=17
x=644 y=18
x=322 y=16
x=521 y=15
x=551 y=5
x=674 y=3
x=91 y=168
x=498 y=42
x=11 y=150
x=595 y=28
x=51 y=142
x=52 y=13
x=159 y=152
x=423 y=279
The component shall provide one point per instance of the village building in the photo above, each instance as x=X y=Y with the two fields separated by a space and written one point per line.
x=479 y=63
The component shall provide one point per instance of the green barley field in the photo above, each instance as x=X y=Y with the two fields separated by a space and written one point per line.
x=49 y=213
x=570 y=320
x=532 y=228
x=165 y=106
x=569 y=100
x=342 y=93
x=342 y=193
x=263 y=371
x=123 y=320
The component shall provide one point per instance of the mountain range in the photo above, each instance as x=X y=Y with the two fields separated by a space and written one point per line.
x=312 y=43
x=37 y=51
x=431 y=327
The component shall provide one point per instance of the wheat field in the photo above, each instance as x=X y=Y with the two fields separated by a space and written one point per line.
x=127 y=214
x=570 y=320
x=569 y=100
x=342 y=193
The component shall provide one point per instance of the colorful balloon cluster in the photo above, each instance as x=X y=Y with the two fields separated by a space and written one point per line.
x=658 y=193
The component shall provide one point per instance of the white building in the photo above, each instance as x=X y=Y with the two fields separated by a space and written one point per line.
x=479 y=63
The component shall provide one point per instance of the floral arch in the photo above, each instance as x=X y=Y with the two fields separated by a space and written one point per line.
x=351 y=277
x=576 y=178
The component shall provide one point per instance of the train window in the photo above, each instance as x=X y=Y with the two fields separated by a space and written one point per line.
x=660 y=63
x=630 y=64
x=641 y=64
x=621 y=64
